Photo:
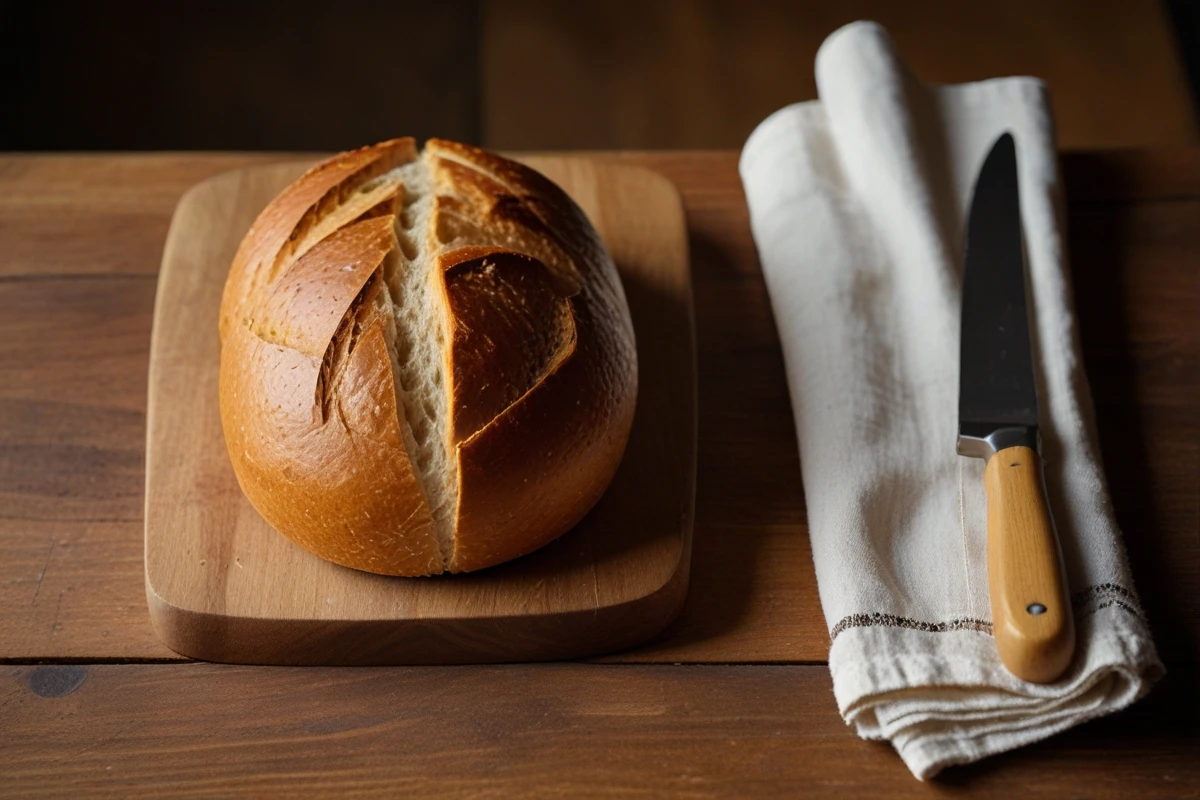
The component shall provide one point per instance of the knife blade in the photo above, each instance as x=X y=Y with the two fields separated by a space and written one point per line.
x=998 y=422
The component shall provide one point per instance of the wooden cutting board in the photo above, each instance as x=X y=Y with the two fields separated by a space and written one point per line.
x=223 y=586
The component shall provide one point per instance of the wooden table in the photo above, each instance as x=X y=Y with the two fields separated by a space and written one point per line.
x=733 y=700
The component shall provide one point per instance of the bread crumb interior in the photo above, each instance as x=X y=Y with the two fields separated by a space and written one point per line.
x=417 y=348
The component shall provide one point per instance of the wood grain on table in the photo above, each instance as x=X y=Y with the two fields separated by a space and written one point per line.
x=80 y=241
x=551 y=730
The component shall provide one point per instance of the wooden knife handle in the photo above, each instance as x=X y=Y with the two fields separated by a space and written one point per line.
x=1031 y=613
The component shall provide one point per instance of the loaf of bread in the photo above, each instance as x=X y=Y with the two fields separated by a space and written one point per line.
x=427 y=360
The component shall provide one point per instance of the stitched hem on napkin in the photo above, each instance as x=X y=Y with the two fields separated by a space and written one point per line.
x=1087 y=601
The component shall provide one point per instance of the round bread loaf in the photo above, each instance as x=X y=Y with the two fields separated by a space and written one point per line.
x=427 y=360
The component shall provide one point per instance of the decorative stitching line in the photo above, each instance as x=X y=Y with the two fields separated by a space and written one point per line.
x=1084 y=595
x=891 y=620
x=1103 y=592
x=1123 y=606
x=1107 y=595
x=962 y=524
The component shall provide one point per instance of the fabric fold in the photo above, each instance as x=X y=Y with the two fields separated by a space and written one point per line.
x=858 y=204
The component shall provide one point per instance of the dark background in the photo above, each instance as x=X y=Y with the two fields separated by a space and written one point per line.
x=528 y=74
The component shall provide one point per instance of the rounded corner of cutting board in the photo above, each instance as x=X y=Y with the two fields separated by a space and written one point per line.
x=223 y=183
x=642 y=185
x=171 y=623
x=609 y=588
x=667 y=193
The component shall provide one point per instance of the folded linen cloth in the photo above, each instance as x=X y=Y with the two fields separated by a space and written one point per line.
x=858 y=204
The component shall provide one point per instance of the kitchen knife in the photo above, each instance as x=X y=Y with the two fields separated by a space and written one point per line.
x=998 y=422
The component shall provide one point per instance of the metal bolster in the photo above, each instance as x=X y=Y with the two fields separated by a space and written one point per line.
x=984 y=440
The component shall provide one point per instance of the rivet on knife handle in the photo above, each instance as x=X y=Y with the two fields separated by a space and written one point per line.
x=1031 y=613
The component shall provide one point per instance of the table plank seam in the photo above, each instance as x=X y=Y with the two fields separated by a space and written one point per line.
x=76 y=520
x=18 y=661
x=73 y=277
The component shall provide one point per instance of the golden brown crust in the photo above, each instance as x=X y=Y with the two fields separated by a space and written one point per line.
x=310 y=413
x=540 y=360
x=316 y=194
x=510 y=329
x=541 y=464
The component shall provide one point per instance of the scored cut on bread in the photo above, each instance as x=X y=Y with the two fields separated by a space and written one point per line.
x=427 y=360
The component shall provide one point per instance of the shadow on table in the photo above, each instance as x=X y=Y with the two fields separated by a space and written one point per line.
x=1164 y=719
x=1132 y=360
x=748 y=472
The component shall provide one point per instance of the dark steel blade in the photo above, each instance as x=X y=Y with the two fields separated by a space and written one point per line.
x=997 y=393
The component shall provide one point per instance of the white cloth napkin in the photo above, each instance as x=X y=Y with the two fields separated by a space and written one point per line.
x=858 y=204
